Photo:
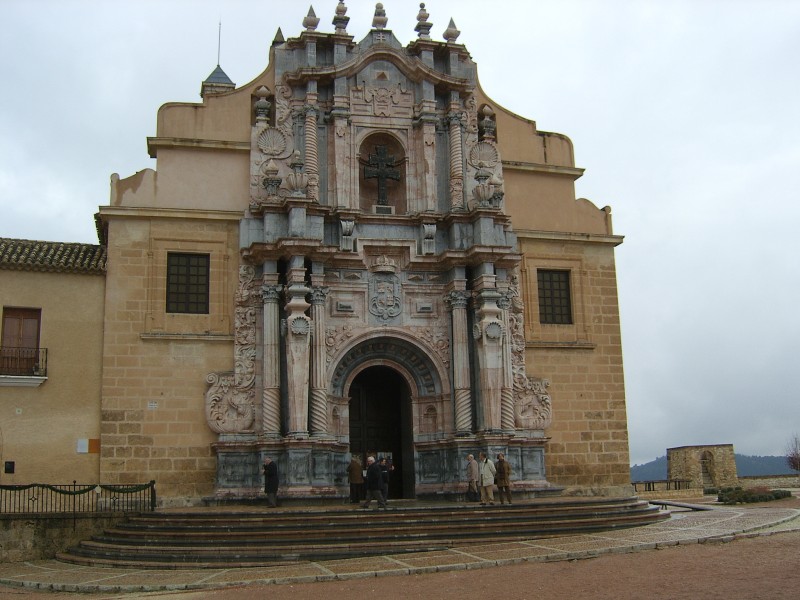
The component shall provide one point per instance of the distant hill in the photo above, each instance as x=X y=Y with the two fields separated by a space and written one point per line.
x=745 y=465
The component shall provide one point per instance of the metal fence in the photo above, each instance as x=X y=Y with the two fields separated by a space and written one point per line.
x=77 y=498
x=27 y=362
x=661 y=485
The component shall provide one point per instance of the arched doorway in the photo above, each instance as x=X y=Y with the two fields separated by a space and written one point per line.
x=380 y=424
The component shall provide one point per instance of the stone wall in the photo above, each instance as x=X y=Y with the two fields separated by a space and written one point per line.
x=35 y=537
x=710 y=466
x=771 y=481
x=588 y=449
x=155 y=363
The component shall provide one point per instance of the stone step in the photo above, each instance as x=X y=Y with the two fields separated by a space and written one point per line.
x=214 y=537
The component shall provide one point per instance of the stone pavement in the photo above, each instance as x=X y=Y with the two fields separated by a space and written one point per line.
x=721 y=524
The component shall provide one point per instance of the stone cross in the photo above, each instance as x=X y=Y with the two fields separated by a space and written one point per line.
x=380 y=166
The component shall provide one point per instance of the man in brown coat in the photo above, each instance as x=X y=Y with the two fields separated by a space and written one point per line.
x=503 y=478
x=355 y=476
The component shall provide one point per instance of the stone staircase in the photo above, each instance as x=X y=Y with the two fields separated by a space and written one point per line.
x=251 y=537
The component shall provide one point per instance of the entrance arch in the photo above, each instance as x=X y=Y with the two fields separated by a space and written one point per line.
x=380 y=424
x=392 y=378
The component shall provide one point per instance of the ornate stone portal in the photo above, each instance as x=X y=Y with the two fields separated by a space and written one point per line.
x=375 y=239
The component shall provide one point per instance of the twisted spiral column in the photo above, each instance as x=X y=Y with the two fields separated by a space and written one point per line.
x=456 y=162
x=318 y=411
x=312 y=152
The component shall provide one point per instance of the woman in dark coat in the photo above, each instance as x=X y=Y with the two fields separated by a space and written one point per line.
x=271 y=482
x=503 y=478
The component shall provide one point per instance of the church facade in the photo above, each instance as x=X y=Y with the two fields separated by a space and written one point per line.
x=358 y=252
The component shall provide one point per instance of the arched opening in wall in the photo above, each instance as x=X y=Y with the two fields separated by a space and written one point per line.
x=380 y=425
x=707 y=469
x=382 y=176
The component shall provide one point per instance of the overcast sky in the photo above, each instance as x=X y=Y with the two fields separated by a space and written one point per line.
x=684 y=113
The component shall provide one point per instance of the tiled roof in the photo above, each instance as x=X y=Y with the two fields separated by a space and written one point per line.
x=56 y=257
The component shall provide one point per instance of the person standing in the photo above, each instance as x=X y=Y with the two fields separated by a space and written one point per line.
x=356 y=478
x=487 y=473
x=503 y=479
x=472 y=478
x=374 y=479
x=385 y=473
x=271 y=482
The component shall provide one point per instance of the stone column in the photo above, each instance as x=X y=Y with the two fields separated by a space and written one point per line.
x=488 y=332
x=345 y=163
x=461 y=384
x=507 y=418
x=271 y=394
x=311 y=149
x=318 y=412
x=456 y=160
x=298 y=335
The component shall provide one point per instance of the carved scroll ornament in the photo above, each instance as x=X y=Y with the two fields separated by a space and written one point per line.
x=532 y=405
x=230 y=399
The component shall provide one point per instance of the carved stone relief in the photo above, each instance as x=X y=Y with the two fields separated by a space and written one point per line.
x=384 y=301
x=271 y=145
x=230 y=399
x=532 y=407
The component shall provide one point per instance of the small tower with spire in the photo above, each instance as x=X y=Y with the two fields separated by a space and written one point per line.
x=218 y=82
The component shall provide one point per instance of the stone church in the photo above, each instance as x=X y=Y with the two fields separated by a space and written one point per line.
x=358 y=252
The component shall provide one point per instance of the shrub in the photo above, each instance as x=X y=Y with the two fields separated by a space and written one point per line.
x=738 y=495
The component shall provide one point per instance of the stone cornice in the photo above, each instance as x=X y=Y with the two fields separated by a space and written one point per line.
x=136 y=212
x=571 y=172
x=154 y=143
x=560 y=236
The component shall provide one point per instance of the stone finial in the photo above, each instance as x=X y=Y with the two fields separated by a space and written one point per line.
x=297 y=181
x=486 y=124
x=262 y=105
x=380 y=19
x=423 y=27
x=311 y=20
x=451 y=33
x=271 y=181
x=340 y=21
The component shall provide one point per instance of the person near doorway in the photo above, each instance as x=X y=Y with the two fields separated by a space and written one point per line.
x=386 y=473
x=472 y=479
x=487 y=473
x=271 y=482
x=356 y=478
x=503 y=479
x=374 y=479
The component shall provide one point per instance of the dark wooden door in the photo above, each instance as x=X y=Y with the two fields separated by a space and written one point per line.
x=379 y=425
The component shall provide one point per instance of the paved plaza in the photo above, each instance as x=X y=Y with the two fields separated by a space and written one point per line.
x=720 y=524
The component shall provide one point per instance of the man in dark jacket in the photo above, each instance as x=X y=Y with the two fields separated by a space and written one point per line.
x=271 y=482
x=374 y=480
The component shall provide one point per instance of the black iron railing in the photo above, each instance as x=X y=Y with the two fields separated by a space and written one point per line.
x=77 y=498
x=661 y=485
x=26 y=362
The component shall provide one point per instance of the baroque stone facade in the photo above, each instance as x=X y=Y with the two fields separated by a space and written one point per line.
x=397 y=255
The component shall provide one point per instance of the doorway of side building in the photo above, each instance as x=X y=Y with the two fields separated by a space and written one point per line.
x=380 y=425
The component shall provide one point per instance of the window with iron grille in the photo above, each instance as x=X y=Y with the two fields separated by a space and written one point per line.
x=555 y=304
x=187 y=283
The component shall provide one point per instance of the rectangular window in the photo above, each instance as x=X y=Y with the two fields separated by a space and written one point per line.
x=19 y=353
x=187 y=283
x=555 y=304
